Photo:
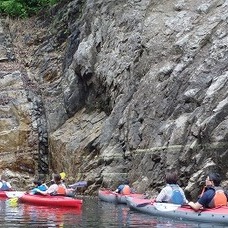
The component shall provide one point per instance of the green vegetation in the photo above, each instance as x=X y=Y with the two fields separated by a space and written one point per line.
x=24 y=8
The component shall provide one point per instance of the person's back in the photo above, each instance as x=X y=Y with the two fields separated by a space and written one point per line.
x=212 y=196
x=58 y=188
x=38 y=187
x=4 y=185
x=219 y=199
x=61 y=190
x=124 y=188
x=171 y=193
x=177 y=196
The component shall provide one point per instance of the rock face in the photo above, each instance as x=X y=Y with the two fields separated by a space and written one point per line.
x=23 y=145
x=127 y=89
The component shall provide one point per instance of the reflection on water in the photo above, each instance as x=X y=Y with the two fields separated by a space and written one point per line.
x=94 y=213
x=17 y=215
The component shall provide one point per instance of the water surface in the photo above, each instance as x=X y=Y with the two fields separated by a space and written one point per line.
x=94 y=213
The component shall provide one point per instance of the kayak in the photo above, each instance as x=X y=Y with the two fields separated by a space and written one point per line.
x=53 y=201
x=113 y=197
x=215 y=215
x=3 y=194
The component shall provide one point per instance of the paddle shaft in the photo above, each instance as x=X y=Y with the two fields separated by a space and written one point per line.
x=143 y=204
x=149 y=203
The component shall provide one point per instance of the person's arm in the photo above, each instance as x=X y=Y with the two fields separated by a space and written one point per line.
x=196 y=206
x=41 y=192
x=9 y=185
x=203 y=201
x=45 y=185
x=50 y=190
x=119 y=189
x=162 y=195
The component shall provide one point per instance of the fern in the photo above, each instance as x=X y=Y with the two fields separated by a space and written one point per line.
x=23 y=8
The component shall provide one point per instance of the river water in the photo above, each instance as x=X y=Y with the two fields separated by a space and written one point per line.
x=94 y=213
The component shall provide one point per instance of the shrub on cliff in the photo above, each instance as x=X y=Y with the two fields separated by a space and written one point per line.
x=23 y=8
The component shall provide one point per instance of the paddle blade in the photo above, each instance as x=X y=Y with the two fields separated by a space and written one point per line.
x=13 y=202
x=143 y=204
x=166 y=206
x=148 y=202
x=78 y=184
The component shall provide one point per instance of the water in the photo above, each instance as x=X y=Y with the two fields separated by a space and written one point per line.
x=94 y=213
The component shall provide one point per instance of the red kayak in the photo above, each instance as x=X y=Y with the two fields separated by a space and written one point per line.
x=53 y=201
x=3 y=194
x=113 y=197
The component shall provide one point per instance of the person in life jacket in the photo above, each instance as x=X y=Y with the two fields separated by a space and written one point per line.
x=58 y=188
x=124 y=188
x=4 y=184
x=38 y=186
x=212 y=195
x=172 y=192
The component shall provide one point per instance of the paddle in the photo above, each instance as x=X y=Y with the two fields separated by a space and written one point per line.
x=163 y=206
x=15 y=194
x=72 y=190
x=166 y=206
x=78 y=184
x=148 y=202
x=144 y=204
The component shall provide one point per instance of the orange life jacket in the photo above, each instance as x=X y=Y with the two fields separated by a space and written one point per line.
x=126 y=190
x=219 y=198
x=61 y=190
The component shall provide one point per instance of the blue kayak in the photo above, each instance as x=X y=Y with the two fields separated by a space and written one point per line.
x=214 y=215
x=113 y=197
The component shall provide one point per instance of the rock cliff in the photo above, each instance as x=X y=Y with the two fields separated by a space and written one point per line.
x=108 y=90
